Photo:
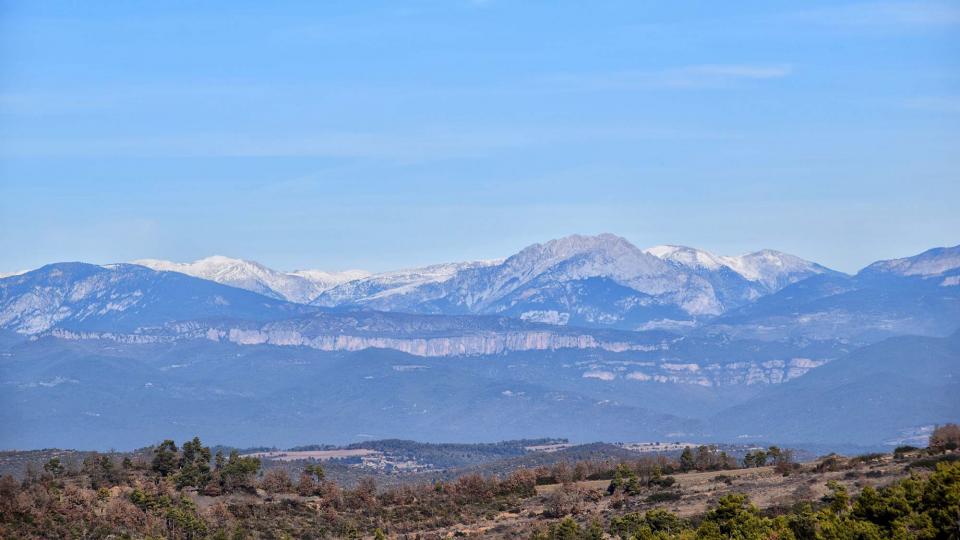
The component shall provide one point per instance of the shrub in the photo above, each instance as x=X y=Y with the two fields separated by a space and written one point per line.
x=564 y=501
x=932 y=462
x=654 y=522
x=276 y=481
x=663 y=481
x=866 y=458
x=830 y=463
x=945 y=437
x=664 y=496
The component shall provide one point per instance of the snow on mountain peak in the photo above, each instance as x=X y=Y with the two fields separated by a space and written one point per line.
x=301 y=286
x=383 y=285
x=687 y=256
x=331 y=278
x=767 y=265
x=11 y=274
x=604 y=255
x=929 y=263
x=575 y=258
x=696 y=281
x=576 y=244
x=773 y=269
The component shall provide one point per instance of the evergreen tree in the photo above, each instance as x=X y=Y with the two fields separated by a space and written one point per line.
x=687 y=461
x=165 y=457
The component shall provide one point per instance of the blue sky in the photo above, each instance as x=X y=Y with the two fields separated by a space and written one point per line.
x=380 y=135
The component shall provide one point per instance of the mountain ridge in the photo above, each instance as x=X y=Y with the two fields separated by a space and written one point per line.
x=300 y=286
x=600 y=282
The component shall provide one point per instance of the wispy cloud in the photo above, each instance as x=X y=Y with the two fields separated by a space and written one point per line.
x=886 y=14
x=695 y=76
x=407 y=146
x=940 y=104
x=741 y=71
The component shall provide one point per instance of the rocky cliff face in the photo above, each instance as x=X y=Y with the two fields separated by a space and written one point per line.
x=469 y=344
x=657 y=363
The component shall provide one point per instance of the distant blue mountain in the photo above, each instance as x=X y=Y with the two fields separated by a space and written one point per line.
x=874 y=394
x=915 y=295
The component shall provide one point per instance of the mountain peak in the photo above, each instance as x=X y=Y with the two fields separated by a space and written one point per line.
x=332 y=277
x=929 y=263
x=301 y=287
x=771 y=268
x=687 y=256
x=577 y=244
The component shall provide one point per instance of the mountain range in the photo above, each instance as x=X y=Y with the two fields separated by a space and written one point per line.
x=585 y=337
x=299 y=286
x=601 y=281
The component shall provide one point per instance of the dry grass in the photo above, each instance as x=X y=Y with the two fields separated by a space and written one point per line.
x=699 y=490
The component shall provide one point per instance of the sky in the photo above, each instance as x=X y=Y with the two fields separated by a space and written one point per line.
x=382 y=135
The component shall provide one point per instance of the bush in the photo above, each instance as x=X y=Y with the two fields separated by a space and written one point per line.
x=945 y=437
x=276 y=481
x=724 y=478
x=664 y=496
x=654 y=522
x=866 y=458
x=663 y=481
x=830 y=463
x=932 y=462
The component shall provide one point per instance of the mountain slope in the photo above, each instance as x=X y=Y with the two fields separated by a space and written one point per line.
x=931 y=263
x=389 y=289
x=300 y=286
x=875 y=393
x=768 y=269
x=124 y=297
x=917 y=295
x=123 y=304
x=598 y=281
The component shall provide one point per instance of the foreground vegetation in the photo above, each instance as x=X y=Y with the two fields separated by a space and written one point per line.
x=190 y=492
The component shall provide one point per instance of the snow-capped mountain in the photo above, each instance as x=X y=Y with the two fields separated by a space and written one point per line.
x=561 y=274
x=771 y=269
x=913 y=295
x=328 y=280
x=384 y=288
x=599 y=280
x=301 y=286
x=124 y=297
x=931 y=263
x=11 y=274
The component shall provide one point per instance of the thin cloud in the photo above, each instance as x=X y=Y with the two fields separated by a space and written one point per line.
x=410 y=146
x=695 y=76
x=886 y=14
x=741 y=71
x=939 y=104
